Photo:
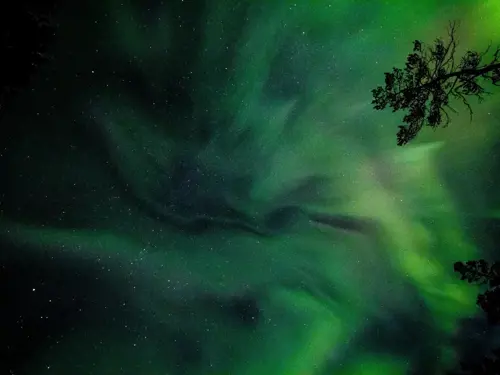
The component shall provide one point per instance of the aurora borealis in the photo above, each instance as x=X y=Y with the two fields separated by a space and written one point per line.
x=203 y=188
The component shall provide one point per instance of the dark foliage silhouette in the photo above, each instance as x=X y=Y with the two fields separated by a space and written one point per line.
x=481 y=272
x=432 y=76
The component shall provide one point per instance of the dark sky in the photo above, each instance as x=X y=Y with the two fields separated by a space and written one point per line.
x=195 y=187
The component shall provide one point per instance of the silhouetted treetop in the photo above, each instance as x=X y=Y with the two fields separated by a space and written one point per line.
x=430 y=78
x=479 y=271
x=482 y=273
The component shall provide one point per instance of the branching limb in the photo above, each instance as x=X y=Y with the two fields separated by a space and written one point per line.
x=431 y=76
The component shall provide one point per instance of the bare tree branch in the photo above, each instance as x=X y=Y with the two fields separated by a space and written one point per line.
x=430 y=78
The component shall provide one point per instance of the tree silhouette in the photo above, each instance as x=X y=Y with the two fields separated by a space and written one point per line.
x=482 y=273
x=430 y=78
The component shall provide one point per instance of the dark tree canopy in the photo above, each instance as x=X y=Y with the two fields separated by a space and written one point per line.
x=483 y=273
x=431 y=77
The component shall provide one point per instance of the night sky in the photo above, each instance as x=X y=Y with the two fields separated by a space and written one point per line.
x=203 y=188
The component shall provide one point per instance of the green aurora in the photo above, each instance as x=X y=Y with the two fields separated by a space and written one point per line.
x=204 y=188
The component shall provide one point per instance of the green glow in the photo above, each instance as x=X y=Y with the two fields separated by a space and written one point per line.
x=282 y=90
